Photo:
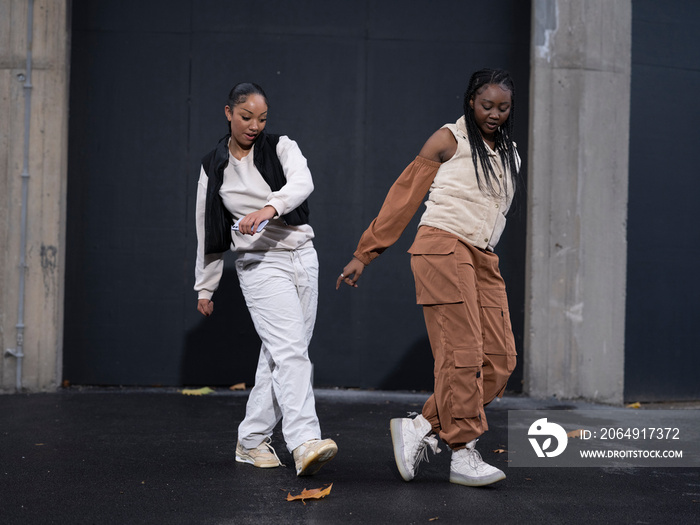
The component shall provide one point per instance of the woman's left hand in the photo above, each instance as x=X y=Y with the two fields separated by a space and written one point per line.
x=249 y=224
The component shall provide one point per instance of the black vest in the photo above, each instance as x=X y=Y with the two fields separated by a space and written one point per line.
x=217 y=219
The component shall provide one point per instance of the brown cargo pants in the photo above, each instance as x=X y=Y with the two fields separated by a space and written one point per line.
x=468 y=322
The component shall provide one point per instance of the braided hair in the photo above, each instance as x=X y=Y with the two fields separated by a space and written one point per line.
x=487 y=180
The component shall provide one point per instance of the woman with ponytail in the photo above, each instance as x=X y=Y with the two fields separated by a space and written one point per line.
x=251 y=199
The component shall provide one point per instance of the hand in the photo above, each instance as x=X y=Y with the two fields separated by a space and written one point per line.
x=205 y=307
x=351 y=273
x=249 y=224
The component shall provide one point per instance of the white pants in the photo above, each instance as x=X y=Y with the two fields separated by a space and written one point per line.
x=281 y=291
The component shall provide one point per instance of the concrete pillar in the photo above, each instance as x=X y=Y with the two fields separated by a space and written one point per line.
x=45 y=173
x=577 y=199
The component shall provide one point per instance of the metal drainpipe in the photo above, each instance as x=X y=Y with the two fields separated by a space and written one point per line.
x=17 y=352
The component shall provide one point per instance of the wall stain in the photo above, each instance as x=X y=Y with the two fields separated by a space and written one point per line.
x=48 y=267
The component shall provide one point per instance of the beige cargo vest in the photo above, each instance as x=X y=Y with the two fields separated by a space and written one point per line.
x=457 y=205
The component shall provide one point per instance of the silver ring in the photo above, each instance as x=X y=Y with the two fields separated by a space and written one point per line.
x=342 y=276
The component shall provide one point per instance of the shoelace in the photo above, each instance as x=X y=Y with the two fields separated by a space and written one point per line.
x=267 y=445
x=430 y=440
x=472 y=458
x=422 y=452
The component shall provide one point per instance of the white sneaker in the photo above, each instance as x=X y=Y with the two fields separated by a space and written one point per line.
x=467 y=468
x=312 y=455
x=410 y=438
x=262 y=456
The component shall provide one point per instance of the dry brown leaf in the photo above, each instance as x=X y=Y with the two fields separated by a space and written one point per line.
x=500 y=450
x=574 y=433
x=634 y=405
x=434 y=519
x=237 y=386
x=310 y=494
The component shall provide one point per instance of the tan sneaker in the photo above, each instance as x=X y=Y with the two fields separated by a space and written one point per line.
x=312 y=455
x=262 y=456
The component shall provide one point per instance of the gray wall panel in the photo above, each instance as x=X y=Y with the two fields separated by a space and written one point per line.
x=662 y=332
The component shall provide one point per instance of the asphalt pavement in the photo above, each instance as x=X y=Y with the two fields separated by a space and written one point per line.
x=158 y=456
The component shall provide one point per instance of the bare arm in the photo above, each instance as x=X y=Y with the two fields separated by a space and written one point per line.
x=440 y=147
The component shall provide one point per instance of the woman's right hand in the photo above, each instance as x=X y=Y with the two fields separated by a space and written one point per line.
x=205 y=307
x=351 y=273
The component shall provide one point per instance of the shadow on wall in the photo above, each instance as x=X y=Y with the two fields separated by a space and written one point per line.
x=223 y=349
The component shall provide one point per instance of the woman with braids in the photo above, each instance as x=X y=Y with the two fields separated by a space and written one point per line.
x=251 y=198
x=469 y=169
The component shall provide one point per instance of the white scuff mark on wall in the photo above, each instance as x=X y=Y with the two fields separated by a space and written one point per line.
x=546 y=17
x=575 y=313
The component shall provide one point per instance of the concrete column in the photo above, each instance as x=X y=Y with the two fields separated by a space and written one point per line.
x=577 y=199
x=45 y=172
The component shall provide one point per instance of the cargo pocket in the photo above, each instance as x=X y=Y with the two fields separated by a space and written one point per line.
x=499 y=343
x=466 y=384
x=435 y=269
x=495 y=322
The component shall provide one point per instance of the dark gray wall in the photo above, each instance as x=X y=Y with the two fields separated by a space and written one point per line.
x=359 y=85
x=662 y=332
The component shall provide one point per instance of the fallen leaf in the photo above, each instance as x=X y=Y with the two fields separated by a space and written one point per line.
x=434 y=519
x=310 y=494
x=634 y=405
x=237 y=386
x=574 y=433
x=197 y=391
x=500 y=450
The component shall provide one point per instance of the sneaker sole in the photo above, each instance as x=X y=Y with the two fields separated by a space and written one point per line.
x=476 y=482
x=397 y=441
x=251 y=461
x=320 y=458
